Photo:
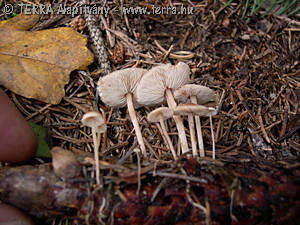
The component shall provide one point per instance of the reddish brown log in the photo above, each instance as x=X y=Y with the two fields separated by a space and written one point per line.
x=247 y=191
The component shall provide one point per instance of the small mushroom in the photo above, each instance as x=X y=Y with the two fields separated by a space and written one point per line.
x=117 y=89
x=158 y=84
x=160 y=115
x=95 y=121
x=197 y=94
x=200 y=110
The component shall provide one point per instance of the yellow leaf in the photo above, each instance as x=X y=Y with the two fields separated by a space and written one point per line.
x=37 y=64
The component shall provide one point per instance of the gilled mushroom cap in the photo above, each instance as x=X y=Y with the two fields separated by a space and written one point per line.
x=194 y=109
x=152 y=87
x=113 y=87
x=162 y=112
x=177 y=76
x=202 y=93
x=101 y=129
x=94 y=119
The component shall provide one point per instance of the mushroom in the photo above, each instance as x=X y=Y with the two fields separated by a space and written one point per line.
x=117 y=89
x=197 y=94
x=159 y=115
x=200 y=110
x=95 y=121
x=158 y=84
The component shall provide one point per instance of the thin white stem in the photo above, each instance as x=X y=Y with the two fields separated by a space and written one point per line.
x=178 y=120
x=192 y=134
x=99 y=141
x=199 y=130
x=213 y=138
x=161 y=132
x=199 y=136
x=165 y=133
x=96 y=154
x=178 y=147
x=139 y=170
x=135 y=123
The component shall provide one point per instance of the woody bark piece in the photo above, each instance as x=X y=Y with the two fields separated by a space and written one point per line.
x=98 y=42
x=247 y=190
x=40 y=191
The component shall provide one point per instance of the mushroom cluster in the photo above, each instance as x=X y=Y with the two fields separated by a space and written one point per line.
x=135 y=87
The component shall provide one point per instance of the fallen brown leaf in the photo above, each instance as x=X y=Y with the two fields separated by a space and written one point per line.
x=37 y=64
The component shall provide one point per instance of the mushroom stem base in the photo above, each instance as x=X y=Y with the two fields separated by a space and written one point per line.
x=213 y=138
x=96 y=141
x=192 y=134
x=135 y=123
x=199 y=130
x=165 y=133
x=178 y=120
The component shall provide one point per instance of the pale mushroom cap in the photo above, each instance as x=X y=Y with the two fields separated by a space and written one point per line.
x=151 y=89
x=94 y=119
x=152 y=86
x=178 y=75
x=202 y=93
x=162 y=112
x=194 y=109
x=101 y=129
x=113 y=87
